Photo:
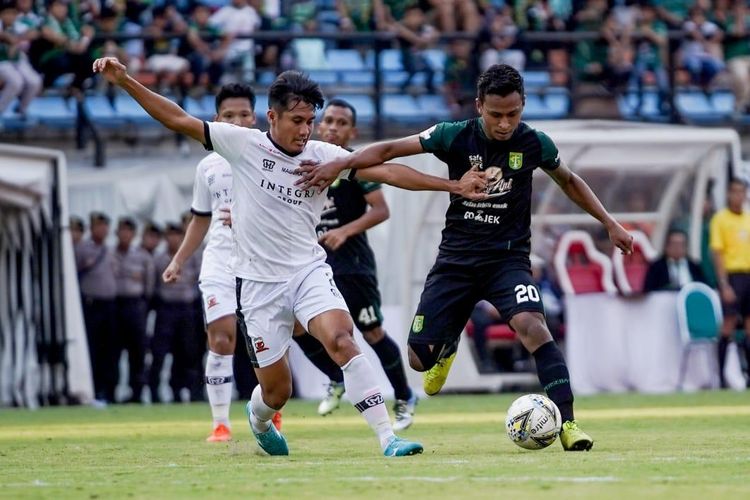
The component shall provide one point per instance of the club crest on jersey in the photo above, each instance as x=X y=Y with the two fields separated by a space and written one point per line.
x=268 y=164
x=418 y=324
x=475 y=161
x=259 y=345
x=515 y=160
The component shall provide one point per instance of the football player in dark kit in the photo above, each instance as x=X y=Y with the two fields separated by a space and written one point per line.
x=484 y=252
x=341 y=231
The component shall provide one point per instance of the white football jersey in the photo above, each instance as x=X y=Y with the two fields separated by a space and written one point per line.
x=212 y=191
x=272 y=219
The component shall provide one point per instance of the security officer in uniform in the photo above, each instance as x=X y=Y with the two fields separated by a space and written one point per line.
x=174 y=316
x=96 y=277
x=135 y=286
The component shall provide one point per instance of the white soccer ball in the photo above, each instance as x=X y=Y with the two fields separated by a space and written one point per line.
x=533 y=422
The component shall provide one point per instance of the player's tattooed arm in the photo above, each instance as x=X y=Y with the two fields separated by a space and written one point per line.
x=162 y=109
x=581 y=194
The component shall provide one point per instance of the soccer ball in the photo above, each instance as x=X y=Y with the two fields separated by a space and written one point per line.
x=533 y=422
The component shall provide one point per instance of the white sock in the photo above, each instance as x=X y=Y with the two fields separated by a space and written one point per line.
x=261 y=416
x=367 y=397
x=219 y=386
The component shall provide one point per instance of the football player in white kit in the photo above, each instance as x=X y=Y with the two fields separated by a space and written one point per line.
x=212 y=198
x=280 y=267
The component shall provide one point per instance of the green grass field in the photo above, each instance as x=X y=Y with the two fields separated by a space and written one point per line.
x=680 y=446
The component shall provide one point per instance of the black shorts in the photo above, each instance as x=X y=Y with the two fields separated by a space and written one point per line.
x=362 y=297
x=740 y=283
x=452 y=290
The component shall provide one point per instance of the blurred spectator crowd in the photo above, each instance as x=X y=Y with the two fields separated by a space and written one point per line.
x=185 y=46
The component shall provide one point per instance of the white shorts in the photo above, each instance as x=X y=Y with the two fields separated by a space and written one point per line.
x=268 y=310
x=219 y=298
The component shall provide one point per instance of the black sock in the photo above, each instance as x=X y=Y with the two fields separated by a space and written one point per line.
x=318 y=355
x=553 y=374
x=390 y=358
x=723 y=345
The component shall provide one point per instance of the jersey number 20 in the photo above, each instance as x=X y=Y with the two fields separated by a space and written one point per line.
x=525 y=293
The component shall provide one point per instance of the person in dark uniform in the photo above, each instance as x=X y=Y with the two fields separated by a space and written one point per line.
x=484 y=253
x=351 y=209
x=174 y=317
x=674 y=269
x=135 y=286
x=96 y=277
x=151 y=237
x=77 y=228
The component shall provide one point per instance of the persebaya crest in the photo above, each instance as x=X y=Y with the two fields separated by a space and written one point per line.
x=515 y=160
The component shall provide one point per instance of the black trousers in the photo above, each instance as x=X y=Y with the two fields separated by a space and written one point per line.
x=131 y=331
x=99 y=316
x=174 y=333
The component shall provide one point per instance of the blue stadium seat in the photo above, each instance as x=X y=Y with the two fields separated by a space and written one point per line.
x=203 y=109
x=100 y=111
x=696 y=107
x=12 y=121
x=131 y=111
x=390 y=60
x=401 y=108
x=53 y=111
x=436 y=58
x=722 y=102
x=433 y=106
x=546 y=107
x=265 y=78
x=363 y=78
x=344 y=60
x=628 y=103
x=324 y=77
x=536 y=79
x=363 y=104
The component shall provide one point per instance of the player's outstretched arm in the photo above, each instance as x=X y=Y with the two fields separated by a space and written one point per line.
x=194 y=236
x=322 y=175
x=581 y=194
x=162 y=109
x=377 y=213
x=471 y=186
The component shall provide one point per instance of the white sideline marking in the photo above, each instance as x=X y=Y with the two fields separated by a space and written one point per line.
x=450 y=479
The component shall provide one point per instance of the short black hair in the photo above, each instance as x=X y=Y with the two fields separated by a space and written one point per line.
x=737 y=180
x=502 y=80
x=294 y=87
x=344 y=104
x=174 y=227
x=127 y=222
x=77 y=223
x=231 y=90
x=677 y=230
x=152 y=227
x=95 y=217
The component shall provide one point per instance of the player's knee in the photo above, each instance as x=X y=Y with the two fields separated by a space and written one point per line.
x=342 y=347
x=221 y=342
x=422 y=357
x=531 y=328
x=374 y=336
x=277 y=395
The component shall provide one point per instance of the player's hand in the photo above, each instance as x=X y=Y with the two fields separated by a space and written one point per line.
x=334 y=238
x=621 y=238
x=172 y=272
x=112 y=70
x=225 y=216
x=473 y=185
x=727 y=294
x=318 y=175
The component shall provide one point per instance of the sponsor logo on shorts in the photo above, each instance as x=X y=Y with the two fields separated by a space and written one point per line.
x=418 y=323
x=211 y=301
x=259 y=345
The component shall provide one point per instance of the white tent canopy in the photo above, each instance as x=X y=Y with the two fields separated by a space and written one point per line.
x=43 y=352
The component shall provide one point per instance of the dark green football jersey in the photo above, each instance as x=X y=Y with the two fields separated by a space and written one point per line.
x=346 y=203
x=503 y=221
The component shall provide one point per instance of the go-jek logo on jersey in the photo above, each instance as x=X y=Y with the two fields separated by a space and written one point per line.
x=496 y=185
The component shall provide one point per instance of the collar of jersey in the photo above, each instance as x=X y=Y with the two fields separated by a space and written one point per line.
x=268 y=134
